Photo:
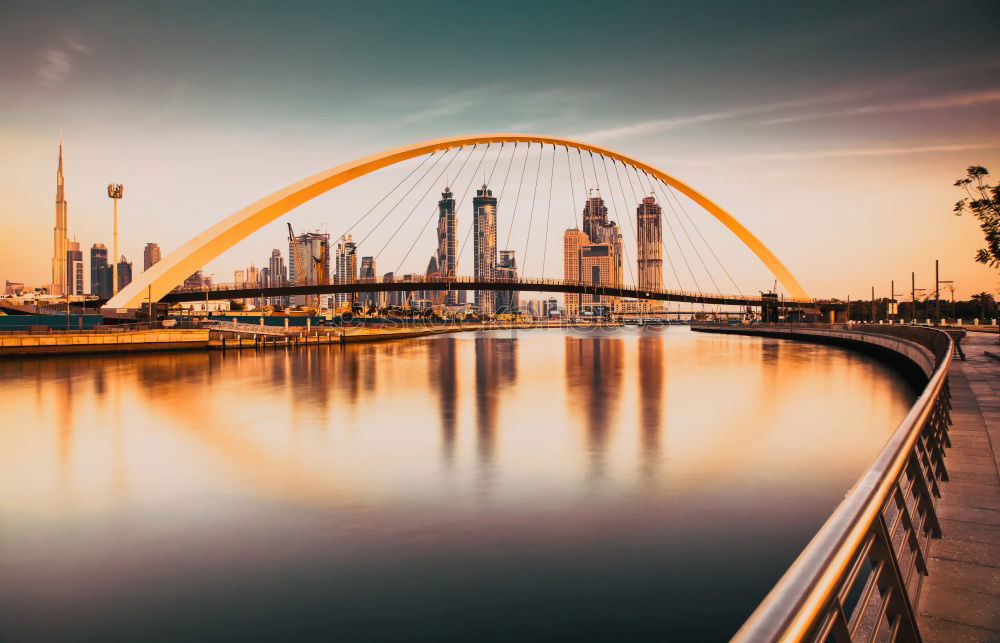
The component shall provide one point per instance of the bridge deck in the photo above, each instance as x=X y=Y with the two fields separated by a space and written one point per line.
x=960 y=599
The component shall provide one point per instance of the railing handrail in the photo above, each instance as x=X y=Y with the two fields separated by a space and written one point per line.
x=464 y=279
x=794 y=605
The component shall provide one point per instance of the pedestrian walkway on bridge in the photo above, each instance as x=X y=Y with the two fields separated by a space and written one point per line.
x=960 y=599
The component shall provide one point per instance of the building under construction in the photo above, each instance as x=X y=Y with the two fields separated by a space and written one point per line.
x=308 y=263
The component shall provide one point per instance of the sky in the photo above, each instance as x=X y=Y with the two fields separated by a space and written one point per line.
x=833 y=131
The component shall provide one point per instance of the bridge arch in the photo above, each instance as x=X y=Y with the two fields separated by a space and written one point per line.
x=209 y=244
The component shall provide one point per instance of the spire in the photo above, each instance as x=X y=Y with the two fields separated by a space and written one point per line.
x=60 y=151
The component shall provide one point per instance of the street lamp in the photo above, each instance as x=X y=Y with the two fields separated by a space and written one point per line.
x=913 y=295
x=937 y=292
x=893 y=306
x=115 y=194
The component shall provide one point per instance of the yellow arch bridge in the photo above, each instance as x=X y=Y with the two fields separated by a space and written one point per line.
x=157 y=283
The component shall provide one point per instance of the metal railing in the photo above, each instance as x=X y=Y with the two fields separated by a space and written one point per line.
x=253 y=290
x=860 y=575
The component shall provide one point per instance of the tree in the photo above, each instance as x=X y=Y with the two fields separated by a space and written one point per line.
x=984 y=299
x=983 y=202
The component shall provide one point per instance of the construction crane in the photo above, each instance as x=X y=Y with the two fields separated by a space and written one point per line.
x=300 y=274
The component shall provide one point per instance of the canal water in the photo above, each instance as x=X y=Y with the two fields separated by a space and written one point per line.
x=618 y=485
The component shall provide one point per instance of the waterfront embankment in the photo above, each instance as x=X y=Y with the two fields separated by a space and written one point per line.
x=232 y=335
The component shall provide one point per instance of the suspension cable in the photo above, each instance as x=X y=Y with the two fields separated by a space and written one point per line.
x=472 y=178
x=572 y=190
x=614 y=210
x=534 y=197
x=665 y=247
x=424 y=175
x=386 y=196
x=680 y=222
x=614 y=207
x=548 y=210
x=674 y=237
x=468 y=232
x=517 y=200
x=694 y=224
x=426 y=192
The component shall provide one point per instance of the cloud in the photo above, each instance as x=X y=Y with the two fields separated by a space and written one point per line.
x=453 y=103
x=57 y=62
x=496 y=100
x=664 y=124
x=802 y=155
x=945 y=101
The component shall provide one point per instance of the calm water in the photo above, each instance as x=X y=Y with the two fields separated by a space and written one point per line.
x=537 y=485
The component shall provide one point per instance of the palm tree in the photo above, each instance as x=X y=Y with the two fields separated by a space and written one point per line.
x=984 y=299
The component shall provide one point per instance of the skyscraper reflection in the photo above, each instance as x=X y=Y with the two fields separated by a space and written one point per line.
x=496 y=368
x=594 y=368
x=651 y=365
x=443 y=377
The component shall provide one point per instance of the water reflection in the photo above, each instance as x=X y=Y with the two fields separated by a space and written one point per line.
x=444 y=380
x=539 y=485
x=651 y=365
x=593 y=378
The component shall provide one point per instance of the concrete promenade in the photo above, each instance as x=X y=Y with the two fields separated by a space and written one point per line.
x=960 y=599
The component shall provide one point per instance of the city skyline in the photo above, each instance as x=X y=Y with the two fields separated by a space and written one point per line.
x=864 y=148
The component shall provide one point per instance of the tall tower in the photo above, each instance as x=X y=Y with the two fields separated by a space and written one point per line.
x=484 y=223
x=599 y=229
x=573 y=241
x=507 y=300
x=60 y=237
x=346 y=270
x=100 y=271
x=595 y=217
x=115 y=194
x=650 y=262
x=150 y=256
x=446 y=254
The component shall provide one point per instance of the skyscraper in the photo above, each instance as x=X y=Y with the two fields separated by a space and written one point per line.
x=277 y=276
x=100 y=271
x=59 y=234
x=392 y=297
x=150 y=255
x=484 y=223
x=597 y=267
x=74 y=268
x=346 y=268
x=312 y=251
x=124 y=272
x=573 y=240
x=368 y=275
x=599 y=229
x=595 y=216
x=650 y=239
x=592 y=256
x=507 y=300
x=446 y=250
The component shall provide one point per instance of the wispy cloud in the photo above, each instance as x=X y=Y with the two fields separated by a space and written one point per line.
x=943 y=101
x=58 y=61
x=802 y=155
x=665 y=124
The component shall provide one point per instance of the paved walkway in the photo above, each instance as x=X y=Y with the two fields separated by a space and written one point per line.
x=960 y=599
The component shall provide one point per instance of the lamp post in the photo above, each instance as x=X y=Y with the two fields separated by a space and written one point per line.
x=937 y=291
x=913 y=295
x=893 y=307
x=115 y=194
